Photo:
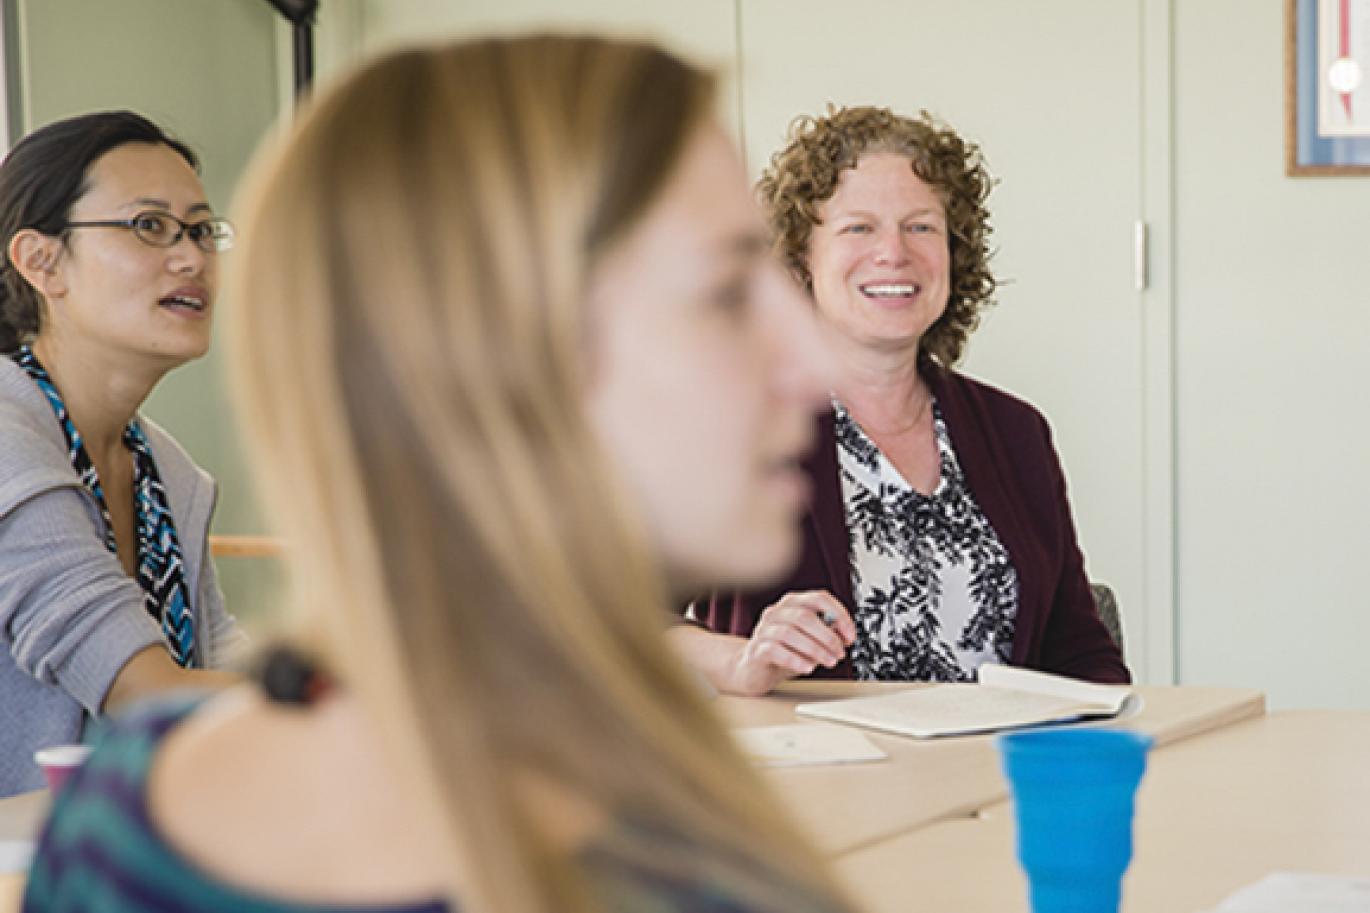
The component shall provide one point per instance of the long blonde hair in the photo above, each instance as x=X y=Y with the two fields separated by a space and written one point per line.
x=409 y=336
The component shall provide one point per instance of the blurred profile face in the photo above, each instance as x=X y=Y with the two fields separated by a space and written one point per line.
x=125 y=296
x=879 y=256
x=706 y=370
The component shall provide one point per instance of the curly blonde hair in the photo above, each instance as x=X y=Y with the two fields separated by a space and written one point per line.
x=804 y=175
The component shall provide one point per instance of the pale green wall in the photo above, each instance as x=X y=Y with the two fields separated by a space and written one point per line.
x=207 y=71
x=1257 y=327
x=1272 y=347
x=1270 y=275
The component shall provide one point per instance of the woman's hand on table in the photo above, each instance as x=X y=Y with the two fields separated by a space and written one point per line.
x=792 y=637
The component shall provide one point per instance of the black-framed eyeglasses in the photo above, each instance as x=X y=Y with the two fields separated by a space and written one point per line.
x=162 y=229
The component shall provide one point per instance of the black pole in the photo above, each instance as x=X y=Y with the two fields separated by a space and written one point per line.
x=300 y=13
x=304 y=58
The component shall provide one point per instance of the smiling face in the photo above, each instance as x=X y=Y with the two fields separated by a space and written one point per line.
x=879 y=256
x=109 y=290
x=706 y=371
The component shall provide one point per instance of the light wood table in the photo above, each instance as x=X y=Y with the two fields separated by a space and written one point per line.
x=21 y=817
x=847 y=807
x=11 y=892
x=850 y=807
x=1284 y=792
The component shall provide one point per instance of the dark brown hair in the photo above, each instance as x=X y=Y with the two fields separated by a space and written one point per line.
x=40 y=180
x=804 y=175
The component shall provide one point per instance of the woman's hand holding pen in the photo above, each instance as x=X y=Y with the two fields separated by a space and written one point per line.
x=793 y=637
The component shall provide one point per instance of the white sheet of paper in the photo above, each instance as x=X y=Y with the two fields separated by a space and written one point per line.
x=796 y=744
x=15 y=856
x=1285 y=892
x=953 y=709
x=994 y=675
x=1004 y=698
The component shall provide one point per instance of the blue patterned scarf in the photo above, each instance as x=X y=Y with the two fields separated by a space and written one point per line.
x=161 y=569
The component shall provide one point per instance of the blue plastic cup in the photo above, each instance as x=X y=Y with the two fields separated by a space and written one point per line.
x=1073 y=795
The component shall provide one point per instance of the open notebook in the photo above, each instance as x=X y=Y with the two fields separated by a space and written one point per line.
x=1005 y=697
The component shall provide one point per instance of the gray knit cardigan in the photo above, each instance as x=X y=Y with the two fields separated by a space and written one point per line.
x=70 y=618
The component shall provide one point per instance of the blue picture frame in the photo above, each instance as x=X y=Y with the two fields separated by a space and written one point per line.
x=1307 y=151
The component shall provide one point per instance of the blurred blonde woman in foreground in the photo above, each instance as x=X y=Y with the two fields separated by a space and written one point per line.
x=515 y=370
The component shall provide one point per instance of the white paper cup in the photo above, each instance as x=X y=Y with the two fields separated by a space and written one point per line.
x=59 y=762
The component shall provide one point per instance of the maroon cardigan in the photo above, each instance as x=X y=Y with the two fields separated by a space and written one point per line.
x=1004 y=447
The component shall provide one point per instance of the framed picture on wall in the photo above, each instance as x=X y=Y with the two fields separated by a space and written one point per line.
x=1327 y=87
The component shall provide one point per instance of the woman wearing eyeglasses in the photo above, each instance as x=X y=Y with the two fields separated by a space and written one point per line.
x=107 y=282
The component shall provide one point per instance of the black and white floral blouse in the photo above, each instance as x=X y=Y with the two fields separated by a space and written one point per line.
x=935 y=592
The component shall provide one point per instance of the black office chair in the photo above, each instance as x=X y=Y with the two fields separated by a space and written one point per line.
x=1107 y=604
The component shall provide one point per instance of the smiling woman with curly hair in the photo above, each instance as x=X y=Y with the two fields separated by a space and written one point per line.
x=940 y=536
x=805 y=174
